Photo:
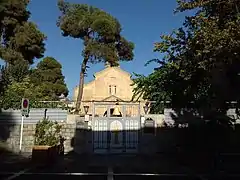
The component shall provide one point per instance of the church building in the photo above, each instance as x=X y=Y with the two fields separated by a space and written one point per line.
x=112 y=84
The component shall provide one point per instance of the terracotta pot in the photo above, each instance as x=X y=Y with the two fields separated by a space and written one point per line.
x=40 y=154
x=45 y=154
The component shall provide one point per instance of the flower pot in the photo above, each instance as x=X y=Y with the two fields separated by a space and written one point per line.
x=45 y=154
x=53 y=154
x=40 y=154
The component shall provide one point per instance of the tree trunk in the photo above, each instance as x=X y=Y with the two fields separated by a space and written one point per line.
x=81 y=83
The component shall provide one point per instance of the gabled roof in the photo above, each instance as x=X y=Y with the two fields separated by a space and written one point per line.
x=105 y=70
x=112 y=96
x=110 y=68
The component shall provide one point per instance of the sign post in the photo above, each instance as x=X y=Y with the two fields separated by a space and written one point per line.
x=25 y=112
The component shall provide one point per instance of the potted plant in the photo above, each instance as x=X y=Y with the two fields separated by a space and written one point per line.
x=47 y=140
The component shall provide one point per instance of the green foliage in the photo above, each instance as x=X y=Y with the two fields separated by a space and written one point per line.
x=15 y=92
x=201 y=62
x=20 y=39
x=101 y=35
x=13 y=13
x=99 y=31
x=47 y=133
x=44 y=83
x=49 y=80
x=22 y=42
x=27 y=41
x=153 y=87
x=15 y=72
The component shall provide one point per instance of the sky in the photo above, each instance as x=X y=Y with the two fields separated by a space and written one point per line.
x=143 y=21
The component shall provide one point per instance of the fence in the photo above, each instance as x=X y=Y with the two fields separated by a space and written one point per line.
x=11 y=116
x=36 y=104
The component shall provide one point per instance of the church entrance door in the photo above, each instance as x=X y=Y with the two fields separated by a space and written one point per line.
x=115 y=128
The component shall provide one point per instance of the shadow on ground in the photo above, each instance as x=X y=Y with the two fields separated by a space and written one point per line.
x=199 y=148
x=10 y=161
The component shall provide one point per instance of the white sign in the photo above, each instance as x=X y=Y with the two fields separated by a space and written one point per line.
x=25 y=107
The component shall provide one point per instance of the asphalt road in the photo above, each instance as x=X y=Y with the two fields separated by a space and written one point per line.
x=60 y=177
x=105 y=178
x=100 y=173
x=113 y=177
x=74 y=168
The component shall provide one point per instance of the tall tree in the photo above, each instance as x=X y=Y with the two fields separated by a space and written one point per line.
x=201 y=63
x=45 y=82
x=101 y=35
x=21 y=41
x=48 y=79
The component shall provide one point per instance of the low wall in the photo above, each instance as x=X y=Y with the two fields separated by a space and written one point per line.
x=79 y=136
x=158 y=118
x=12 y=136
x=11 y=116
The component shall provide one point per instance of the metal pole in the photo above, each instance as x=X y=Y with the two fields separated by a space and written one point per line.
x=21 y=135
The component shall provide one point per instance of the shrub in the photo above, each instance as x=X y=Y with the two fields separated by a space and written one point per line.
x=47 y=133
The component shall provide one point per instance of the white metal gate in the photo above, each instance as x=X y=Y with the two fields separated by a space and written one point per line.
x=115 y=134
